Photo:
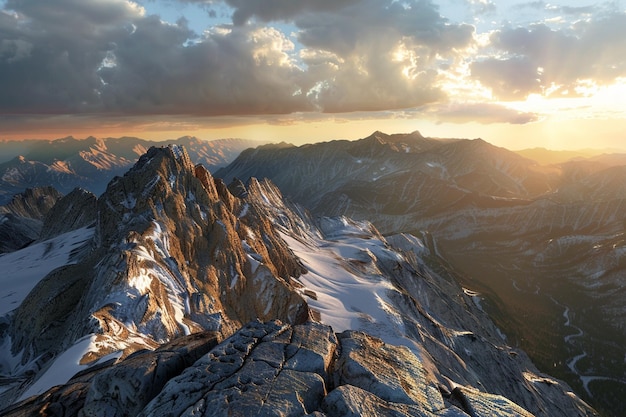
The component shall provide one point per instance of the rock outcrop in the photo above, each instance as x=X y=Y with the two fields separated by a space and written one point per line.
x=269 y=369
x=33 y=203
x=121 y=389
x=77 y=209
x=17 y=232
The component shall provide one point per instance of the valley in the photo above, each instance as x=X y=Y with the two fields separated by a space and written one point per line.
x=548 y=314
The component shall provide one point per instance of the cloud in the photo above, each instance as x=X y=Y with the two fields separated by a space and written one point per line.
x=509 y=79
x=49 y=58
x=553 y=8
x=272 y=10
x=378 y=54
x=110 y=57
x=483 y=6
x=539 y=59
x=229 y=71
x=484 y=113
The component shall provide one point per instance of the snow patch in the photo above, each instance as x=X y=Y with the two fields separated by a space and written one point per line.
x=177 y=151
x=65 y=366
x=349 y=298
x=23 y=269
x=151 y=185
x=244 y=210
x=165 y=270
x=233 y=281
x=129 y=201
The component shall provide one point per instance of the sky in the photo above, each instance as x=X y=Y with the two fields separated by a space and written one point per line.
x=517 y=74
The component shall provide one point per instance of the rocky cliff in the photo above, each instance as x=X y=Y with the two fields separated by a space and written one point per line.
x=272 y=369
x=21 y=219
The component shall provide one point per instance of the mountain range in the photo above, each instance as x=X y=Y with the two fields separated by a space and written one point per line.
x=91 y=163
x=175 y=293
x=543 y=244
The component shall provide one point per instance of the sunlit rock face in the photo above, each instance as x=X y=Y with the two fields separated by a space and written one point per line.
x=171 y=253
x=544 y=244
x=190 y=297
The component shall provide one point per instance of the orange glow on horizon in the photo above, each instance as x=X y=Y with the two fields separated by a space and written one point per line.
x=548 y=133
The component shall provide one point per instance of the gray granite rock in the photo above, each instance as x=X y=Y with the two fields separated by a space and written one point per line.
x=392 y=373
x=118 y=390
x=264 y=369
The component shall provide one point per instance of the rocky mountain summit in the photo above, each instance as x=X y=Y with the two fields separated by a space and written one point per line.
x=91 y=163
x=544 y=244
x=174 y=294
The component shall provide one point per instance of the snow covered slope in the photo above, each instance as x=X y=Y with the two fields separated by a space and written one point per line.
x=23 y=269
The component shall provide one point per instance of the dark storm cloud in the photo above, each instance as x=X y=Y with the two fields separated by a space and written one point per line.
x=239 y=71
x=49 y=58
x=270 y=10
x=385 y=21
x=538 y=58
x=352 y=49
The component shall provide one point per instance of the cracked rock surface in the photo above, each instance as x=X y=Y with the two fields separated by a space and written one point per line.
x=267 y=369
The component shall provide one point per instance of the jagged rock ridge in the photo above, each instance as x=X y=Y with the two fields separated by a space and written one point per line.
x=270 y=369
x=166 y=259
x=21 y=220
